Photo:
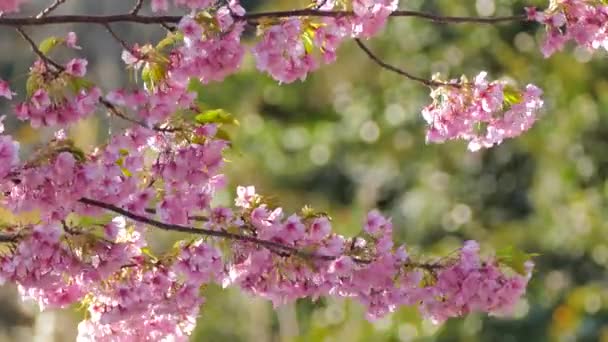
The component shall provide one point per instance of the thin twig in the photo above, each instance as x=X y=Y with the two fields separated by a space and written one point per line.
x=168 y=28
x=117 y=38
x=137 y=7
x=50 y=8
x=9 y=237
x=40 y=54
x=143 y=19
x=112 y=108
x=377 y=60
x=120 y=114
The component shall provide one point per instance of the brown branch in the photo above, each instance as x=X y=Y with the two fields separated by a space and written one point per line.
x=117 y=38
x=137 y=7
x=47 y=61
x=380 y=62
x=202 y=231
x=112 y=108
x=50 y=8
x=143 y=19
x=9 y=238
x=120 y=114
x=275 y=247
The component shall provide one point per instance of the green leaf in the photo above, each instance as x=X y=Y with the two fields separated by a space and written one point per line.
x=223 y=135
x=170 y=40
x=126 y=172
x=307 y=39
x=32 y=84
x=512 y=96
x=514 y=258
x=78 y=83
x=47 y=45
x=153 y=73
x=218 y=116
x=147 y=252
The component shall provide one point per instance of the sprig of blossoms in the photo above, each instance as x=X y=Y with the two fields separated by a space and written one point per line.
x=131 y=294
x=481 y=112
x=58 y=97
x=583 y=21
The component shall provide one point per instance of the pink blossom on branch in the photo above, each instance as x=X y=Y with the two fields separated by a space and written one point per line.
x=154 y=298
x=165 y=171
x=582 y=21
x=5 y=90
x=483 y=113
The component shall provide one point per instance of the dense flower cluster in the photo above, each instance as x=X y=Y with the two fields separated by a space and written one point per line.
x=63 y=100
x=371 y=15
x=9 y=152
x=283 y=54
x=144 y=305
x=51 y=272
x=163 y=172
x=132 y=295
x=483 y=113
x=207 y=55
x=582 y=21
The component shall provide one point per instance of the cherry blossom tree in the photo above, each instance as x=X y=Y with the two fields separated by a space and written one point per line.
x=95 y=210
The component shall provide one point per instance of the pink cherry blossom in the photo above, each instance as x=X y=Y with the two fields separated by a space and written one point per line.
x=5 y=90
x=9 y=154
x=479 y=113
x=71 y=41
x=160 y=5
x=96 y=207
x=282 y=52
x=77 y=67
x=581 y=21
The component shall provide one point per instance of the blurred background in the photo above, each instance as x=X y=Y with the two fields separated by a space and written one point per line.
x=351 y=138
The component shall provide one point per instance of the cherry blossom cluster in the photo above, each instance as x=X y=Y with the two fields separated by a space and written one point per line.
x=152 y=178
x=287 y=49
x=145 y=304
x=64 y=99
x=583 y=21
x=481 y=112
x=49 y=268
x=208 y=55
x=368 y=268
x=96 y=209
x=9 y=152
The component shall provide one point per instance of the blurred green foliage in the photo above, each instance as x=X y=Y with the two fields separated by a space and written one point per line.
x=351 y=138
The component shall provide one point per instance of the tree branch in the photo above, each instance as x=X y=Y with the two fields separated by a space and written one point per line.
x=9 y=238
x=47 y=61
x=117 y=38
x=112 y=108
x=142 y=19
x=201 y=231
x=50 y=8
x=377 y=60
x=275 y=247
x=137 y=7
